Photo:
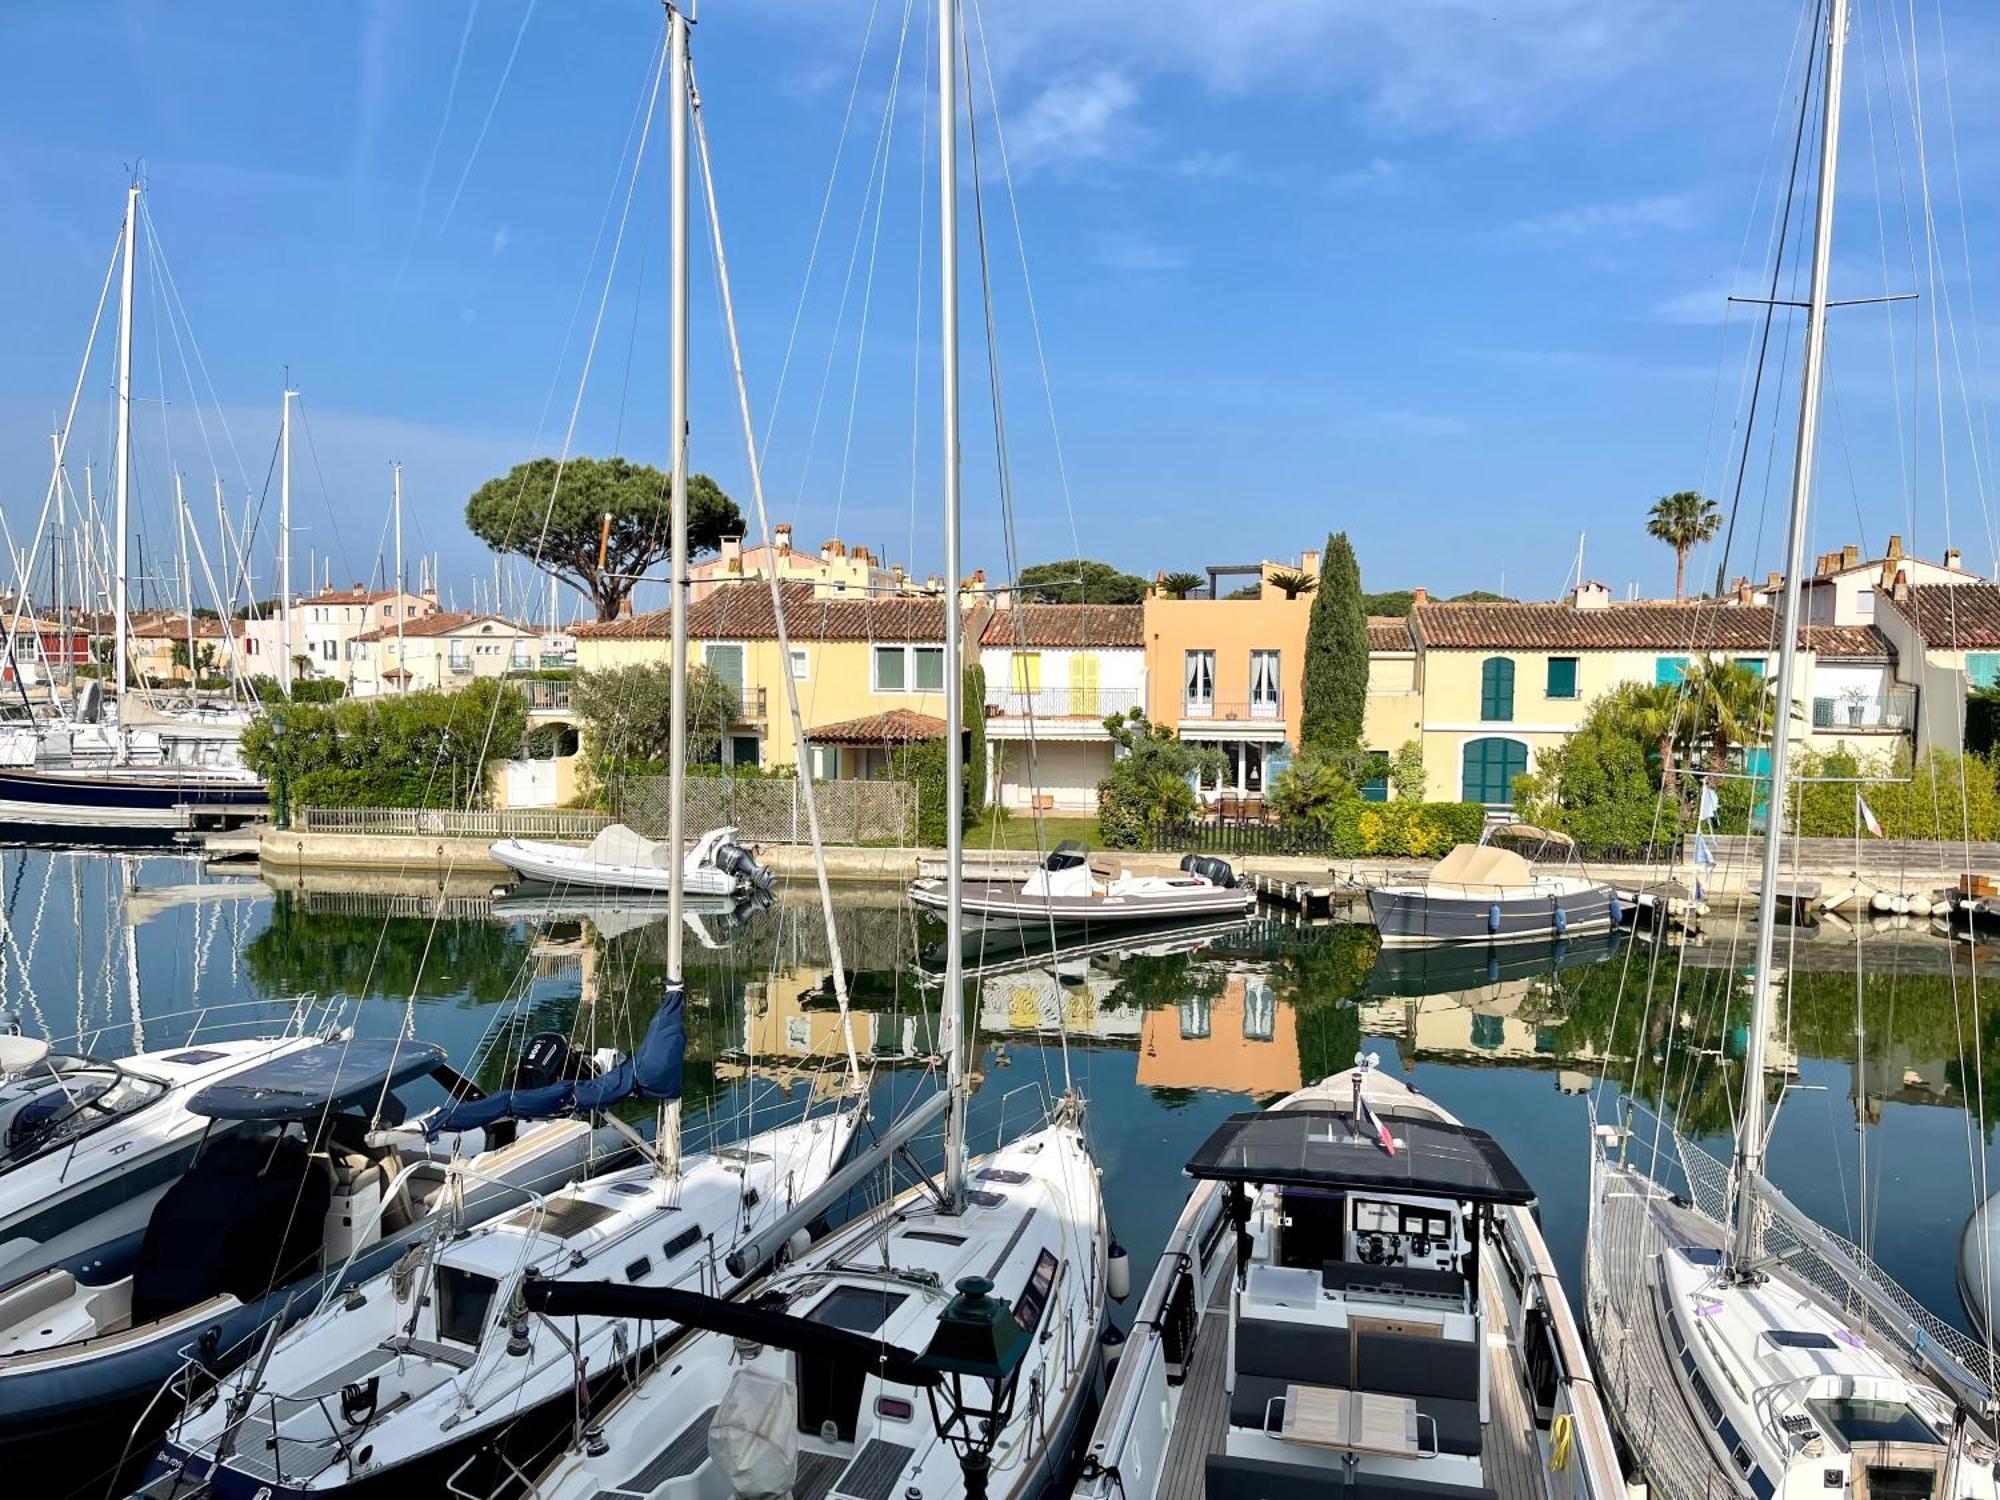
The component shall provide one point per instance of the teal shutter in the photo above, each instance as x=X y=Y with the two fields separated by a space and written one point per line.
x=1488 y=769
x=1376 y=787
x=1562 y=676
x=1982 y=668
x=1670 y=669
x=1496 y=689
x=1754 y=663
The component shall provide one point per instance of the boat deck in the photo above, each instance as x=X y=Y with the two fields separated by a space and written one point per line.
x=1509 y=1447
x=1636 y=1220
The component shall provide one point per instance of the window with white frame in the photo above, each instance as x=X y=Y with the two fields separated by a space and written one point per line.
x=1264 y=684
x=908 y=669
x=929 y=664
x=1198 y=683
x=798 y=663
x=892 y=669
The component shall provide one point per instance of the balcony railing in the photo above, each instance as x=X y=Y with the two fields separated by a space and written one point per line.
x=1224 y=710
x=1894 y=712
x=1062 y=703
x=548 y=696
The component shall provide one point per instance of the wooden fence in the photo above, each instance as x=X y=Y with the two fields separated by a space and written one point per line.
x=1883 y=857
x=475 y=823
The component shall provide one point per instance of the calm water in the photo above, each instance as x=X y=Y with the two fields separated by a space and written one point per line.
x=1164 y=1040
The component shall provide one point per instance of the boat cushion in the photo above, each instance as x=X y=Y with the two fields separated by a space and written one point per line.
x=1458 y=1429
x=1262 y=1479
x=1252 y=1399
x=1399 y=1365
x=1397 y=1487
x=1304 y=1352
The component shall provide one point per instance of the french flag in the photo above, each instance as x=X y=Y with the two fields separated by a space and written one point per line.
x=1367 y=1117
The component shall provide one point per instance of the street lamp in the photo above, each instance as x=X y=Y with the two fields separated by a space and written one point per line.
x=281 y=813
x=977 y=1351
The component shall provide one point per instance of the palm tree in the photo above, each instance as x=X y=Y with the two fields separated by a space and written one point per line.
x=1682 y=520
x=1650 y=713
x=1725 y=704
x=1180 y=585
x=1291 y=584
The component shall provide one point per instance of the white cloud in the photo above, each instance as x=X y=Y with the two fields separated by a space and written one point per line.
x=1131 y=253
x=1079 y=117
x=1375 y=172
x=1599 y=223
x=1209 y=164
x=500 y=239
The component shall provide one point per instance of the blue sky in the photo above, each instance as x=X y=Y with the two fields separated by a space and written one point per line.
x=1449 y=276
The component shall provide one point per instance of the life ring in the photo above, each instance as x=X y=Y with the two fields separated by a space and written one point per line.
x=1562 y=1438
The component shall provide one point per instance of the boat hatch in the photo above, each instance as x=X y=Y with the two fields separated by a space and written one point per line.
x=331 y=1076
x=830 y=1389
x=1329 y=1148
x=1799 y=1338
x=1854 y=1420
x=464 y=1300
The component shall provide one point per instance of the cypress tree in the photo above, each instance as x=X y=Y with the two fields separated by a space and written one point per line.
x=1335 y=691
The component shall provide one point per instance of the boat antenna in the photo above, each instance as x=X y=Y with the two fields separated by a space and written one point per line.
x=1750 y=1138
x=667 y=1142
x=952 y=1011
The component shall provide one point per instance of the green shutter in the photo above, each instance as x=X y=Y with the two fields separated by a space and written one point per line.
x=1488 y=769
x=1496 y=689
x=1376 y=787
x=726 y=662
x=1562 y=676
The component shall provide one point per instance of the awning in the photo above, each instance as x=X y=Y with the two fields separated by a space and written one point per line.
x=1326 y=1148
x=330 y=1076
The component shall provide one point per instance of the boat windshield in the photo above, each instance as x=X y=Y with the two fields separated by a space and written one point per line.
x=1856 y=1421
x=64 y=1099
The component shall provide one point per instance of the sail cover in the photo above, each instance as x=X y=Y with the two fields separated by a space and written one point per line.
x=620 y=845
x=654 y=1072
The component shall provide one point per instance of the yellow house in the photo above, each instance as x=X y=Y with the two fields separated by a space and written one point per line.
x=443 y=650
x=859 y=665
x=1501 y=681
x=158 y=648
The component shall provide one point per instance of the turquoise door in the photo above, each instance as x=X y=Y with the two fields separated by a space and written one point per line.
x=1489 y=767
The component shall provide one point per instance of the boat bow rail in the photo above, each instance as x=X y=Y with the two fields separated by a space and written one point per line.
x=1833 y=1266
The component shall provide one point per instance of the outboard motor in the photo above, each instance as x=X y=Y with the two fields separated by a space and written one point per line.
x=549 y=1058
x=1210 y=868
x=734 y=859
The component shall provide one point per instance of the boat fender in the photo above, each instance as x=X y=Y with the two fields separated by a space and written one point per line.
x=800 y=1242
x=1617 y=910
x=1111 y=1345
x=1118 y=1273
x=1881 y=901
x=1562 y=922
x=1493 y=917
x=1941 y=909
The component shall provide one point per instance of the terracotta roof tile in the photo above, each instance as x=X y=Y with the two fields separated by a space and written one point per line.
x=1962 y=616
x=1068 y=625
x=442 y=623
x=899 y=726
x=1695 y=626
x=1389 y=633
x=742 y=612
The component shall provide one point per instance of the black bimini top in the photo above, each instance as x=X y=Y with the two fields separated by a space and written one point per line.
x=1325 y=1148
x=314 y=1080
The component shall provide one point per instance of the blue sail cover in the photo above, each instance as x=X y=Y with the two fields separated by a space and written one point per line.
x=655 y=1073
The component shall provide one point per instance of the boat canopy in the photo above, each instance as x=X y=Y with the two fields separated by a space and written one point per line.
x=653 y=1072
x=315 y=1080
x=1326 y=1148
x=619 y=845
x=1481 y=867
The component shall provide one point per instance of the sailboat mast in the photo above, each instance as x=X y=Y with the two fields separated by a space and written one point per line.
x=952 y=1007
x=1750 y=1139
x=402 y=677
x=123 y=460
x=669 y=1143
x=285 y=543
x=187 y=583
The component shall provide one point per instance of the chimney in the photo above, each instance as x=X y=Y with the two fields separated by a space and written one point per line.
x=732 y=554
x=1951 y=556
x=1309 y=562
x=625 y=608
x=781 y=536
x=1591 y=594
x=1850 y=556
x=1901 y=588
x=1895 y=547
x=1773 y=581
x=1418 y=596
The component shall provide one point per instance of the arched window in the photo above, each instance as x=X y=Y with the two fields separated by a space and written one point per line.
x=1489 y=769
x=1496 y=689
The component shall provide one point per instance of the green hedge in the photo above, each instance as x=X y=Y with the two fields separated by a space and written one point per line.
x=923 y=764
x=1419 y=830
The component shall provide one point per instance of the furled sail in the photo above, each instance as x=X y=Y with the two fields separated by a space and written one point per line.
x=653 y=1072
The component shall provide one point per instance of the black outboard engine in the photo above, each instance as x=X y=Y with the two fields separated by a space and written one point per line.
x=1215 y=871
x=734 y=859
x=549 y=1058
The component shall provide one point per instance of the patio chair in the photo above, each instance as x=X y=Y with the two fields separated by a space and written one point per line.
x=1228 y=808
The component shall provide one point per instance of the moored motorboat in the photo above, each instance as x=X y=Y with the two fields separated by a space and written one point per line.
x=620 y=859
x=1066 y=891
x=1357 y=1299
x=1478 y=894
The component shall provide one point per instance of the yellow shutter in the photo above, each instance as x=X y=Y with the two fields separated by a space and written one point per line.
x=1083 y=685
x=1027 y=671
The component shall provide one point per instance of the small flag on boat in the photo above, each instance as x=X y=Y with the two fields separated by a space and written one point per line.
x=1709 y=805
x=1370 y=1121
x=1868 y=820
x=1703 y=855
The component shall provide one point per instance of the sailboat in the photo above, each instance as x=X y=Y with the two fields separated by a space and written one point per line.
x=446 y=1379
x=1747 y=1350
x=946 y=1343
x=163 y=775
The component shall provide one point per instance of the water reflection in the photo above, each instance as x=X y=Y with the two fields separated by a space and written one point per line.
x=1166 y=1033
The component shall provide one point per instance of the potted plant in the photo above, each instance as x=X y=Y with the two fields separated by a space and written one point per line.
x=1856 y=699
